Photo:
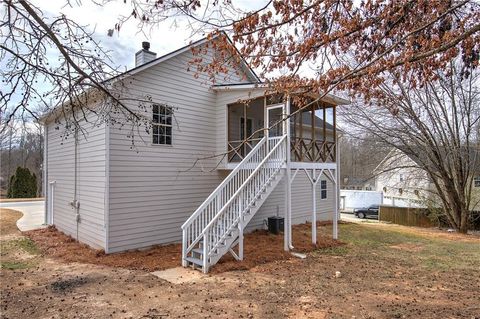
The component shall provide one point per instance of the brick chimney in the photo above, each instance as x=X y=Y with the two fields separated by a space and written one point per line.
x=144 y=55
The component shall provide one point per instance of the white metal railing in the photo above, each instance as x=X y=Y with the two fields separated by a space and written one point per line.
x=222 y=210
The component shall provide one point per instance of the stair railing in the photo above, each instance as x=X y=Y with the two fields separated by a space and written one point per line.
x=196 y=223
x=233 y=211
x=230 y=199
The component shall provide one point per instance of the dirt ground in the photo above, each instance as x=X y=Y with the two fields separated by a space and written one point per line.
x=384 y=272
x=8 y=219
x=260 y=247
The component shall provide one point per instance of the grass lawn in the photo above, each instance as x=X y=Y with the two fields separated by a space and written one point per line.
x=385 y=271
x=431 y=250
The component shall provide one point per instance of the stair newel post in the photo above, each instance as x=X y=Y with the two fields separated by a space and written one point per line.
x=184 y=247
x=205 y=250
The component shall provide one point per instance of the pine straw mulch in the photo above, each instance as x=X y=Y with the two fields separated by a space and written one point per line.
x=260 y=247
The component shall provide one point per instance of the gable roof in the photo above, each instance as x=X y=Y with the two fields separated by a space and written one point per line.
x=252 y=76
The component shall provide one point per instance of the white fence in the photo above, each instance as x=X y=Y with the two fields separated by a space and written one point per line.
x=350 y=199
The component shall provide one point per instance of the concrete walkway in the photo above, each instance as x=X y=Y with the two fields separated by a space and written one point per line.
x=33 y=213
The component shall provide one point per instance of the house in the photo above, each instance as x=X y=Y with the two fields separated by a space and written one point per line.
x=357 y=183
x=117 y=188
x=403 y=183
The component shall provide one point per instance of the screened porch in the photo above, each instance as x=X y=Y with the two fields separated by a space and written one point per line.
x=312 y=129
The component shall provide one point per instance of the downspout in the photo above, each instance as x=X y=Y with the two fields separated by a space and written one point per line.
x=75 y=203
x=45 y=173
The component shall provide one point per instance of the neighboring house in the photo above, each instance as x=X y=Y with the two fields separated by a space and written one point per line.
x=114 y=196
x=358 y=183
x=403 y=183
x=476 y=193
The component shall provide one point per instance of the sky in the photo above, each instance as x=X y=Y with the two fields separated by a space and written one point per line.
x=164 y=38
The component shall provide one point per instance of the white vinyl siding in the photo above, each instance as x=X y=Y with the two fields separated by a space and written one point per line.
x=153 y=190
x=90 y=180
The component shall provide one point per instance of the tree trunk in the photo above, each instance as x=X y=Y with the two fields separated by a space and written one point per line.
x=464 y=220
x=457 y=214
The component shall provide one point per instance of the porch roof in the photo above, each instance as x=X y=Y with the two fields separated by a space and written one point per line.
x=329 y=98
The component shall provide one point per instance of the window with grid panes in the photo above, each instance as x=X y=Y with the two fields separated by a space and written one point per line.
x=323 y=189
x=162 y=125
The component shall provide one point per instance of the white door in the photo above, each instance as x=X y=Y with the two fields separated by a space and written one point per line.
x=274 y=120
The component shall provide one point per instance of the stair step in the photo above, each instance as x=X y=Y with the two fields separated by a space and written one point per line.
x=201 y=246
x=195 y=261
x=198 y=250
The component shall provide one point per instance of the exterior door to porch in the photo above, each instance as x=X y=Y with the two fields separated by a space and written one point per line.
x=274 y=122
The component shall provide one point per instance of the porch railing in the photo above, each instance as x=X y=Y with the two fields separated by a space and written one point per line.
x=309 y=150
x=237 y=150
x=302 y=150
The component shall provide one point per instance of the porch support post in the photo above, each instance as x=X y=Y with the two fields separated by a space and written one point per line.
x=313 y=143
x=245 y=137
x=287 y=228
x=335 y=216
x=288 y=182
x=265 y=123
x=314 y=208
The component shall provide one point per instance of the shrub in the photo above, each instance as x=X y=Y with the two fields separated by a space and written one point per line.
x=23 y=184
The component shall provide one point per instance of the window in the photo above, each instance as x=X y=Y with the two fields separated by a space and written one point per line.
x=476 y=181
x=162 y=125
x=323 y=189
x=401 y=178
